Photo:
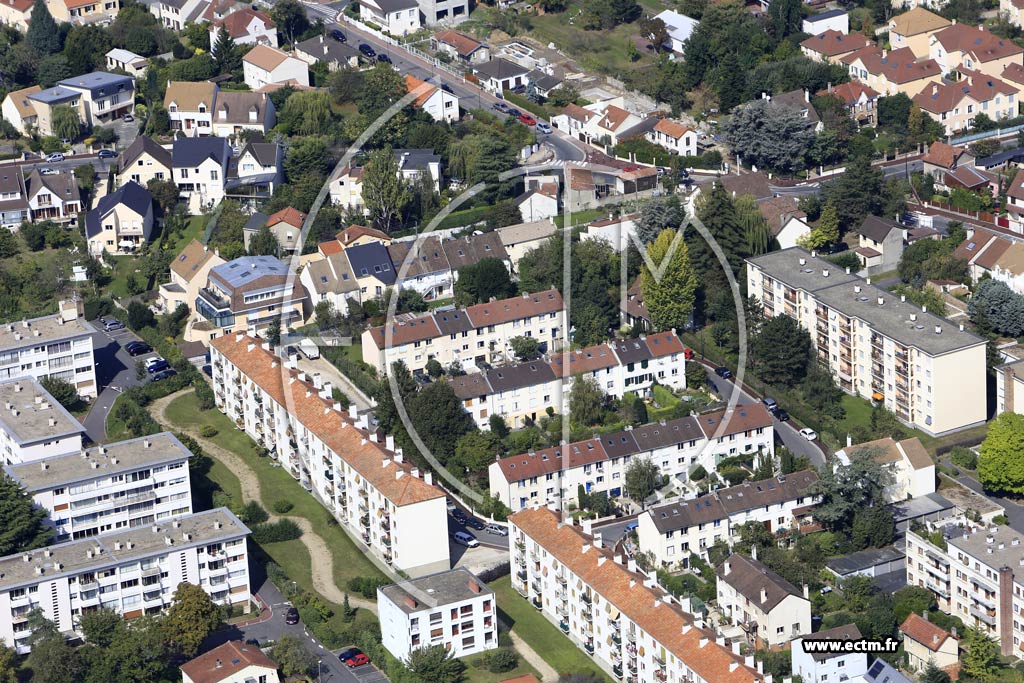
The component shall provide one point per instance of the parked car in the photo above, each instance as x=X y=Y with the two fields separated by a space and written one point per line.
x=808 y=434
x=781 y=415
x=543 y=127
x=770 y=403
x=367 y=51
x=159 y=366
x=500 y=106
x=150 y=362
x=291 y=617
x=339 y=36
x=527 y=119
x=163 y=374
x=353 y=657
x=127 y=118
x=514 y=113
x=54 y=158
x=137 y=348
x=383 y=58
x=106 y=154
x=48 y=171
x=111 y=325
x=497 y=529
x=459 y=516
x=475 y=523
x=630 y=528
x=688 y=354
x=723 y=372
x=451 y=505
x=465 y=538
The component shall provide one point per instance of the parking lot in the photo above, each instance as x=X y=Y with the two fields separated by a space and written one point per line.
x=368 y=673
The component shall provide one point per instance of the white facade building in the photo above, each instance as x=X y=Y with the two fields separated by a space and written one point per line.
x=51 y=346
x=454 y=609
x=769 y=609
x=133 y=572
x=829 y=667
x=33 y=425
x=118 y=486
x=908 y=463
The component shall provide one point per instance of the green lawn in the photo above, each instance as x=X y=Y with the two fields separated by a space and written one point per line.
x=196 y=225
x=581 y=217
x=540 y=634
x=123 y=265
x=276 y=484
x=116 y=429
x=482 y=675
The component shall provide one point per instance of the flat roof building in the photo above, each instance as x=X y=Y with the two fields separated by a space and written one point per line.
x=33 y=425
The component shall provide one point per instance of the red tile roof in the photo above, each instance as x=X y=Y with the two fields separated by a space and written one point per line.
x=737 y=420
x=896 y=66
x=318 y=415
x=412 y=83
x=832 y=43
x=292 y=217
x=554 y=459
x=666 y=624
x=237 y=23
x=462 y=43
x=664 y=344
x=574 y=111
x=354 y=232
x=976 y=40
x=850 y=93
x=925 y=632
x=330 y=247
x=589 y=359
x=224 y=661
x=940 y=98
x=673 y=129
x=942 y=155
x=515 y=308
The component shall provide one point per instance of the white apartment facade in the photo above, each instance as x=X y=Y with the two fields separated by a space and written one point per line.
x=33 y=425
x=454 y=609
x=51 y=346
x=614 y=614
x=923 y=368
x=123 y=485
x=365 y=483
x=133 y=572
x=676 y=530
x=770 y=610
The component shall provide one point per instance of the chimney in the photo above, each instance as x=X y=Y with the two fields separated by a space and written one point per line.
x=753 y=552
x=938 y=329
x=353 y=412
x=824 y=272
x=704 y=641
x=881 y=301
x=474 y=586
x=411 y=601
x=764 y=595
x=218 y=665
x=935 y=89
x=728 y=568
x=807 y=592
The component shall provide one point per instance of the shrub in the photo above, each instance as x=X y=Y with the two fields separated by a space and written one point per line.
x=964 y=457
x=221 y=499
x=366 y=586
x=204 y=396
x=500 y=660
x=276 y=532
x=208 y=431
x=282 y=506
x=252 y=513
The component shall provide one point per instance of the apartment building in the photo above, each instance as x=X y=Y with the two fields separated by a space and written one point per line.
x=911 y=469
x=553 y=475
x=133 y=572
x=480 y=333
x=247 y=294
x=33 y=425
x=770 y=610
x=974 y=48
x=676 y=530
x=622 y=620
x=977 y=576
x=354 y=471
x=51 y=346
x=453 y=608
x=122 y=485
x=926 y=370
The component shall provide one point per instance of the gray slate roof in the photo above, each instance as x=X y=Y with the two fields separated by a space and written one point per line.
x=131 y=194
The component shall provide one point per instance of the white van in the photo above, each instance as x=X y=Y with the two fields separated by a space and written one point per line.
x=466 y=539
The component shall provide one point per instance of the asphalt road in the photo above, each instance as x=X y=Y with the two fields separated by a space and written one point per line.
x=486 y=539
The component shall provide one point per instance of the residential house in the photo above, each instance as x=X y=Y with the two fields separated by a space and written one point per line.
x=770 y=610
x=218 y=9
x=892 y=71
x=499 y=74
x=18 y=110
x=573 y=120
x=460 y=46
x=34 y=426
x=232 y=662
x=976 y=180
x=285 y=225
x=360 y=234
x=82 y=12
x=247 y=26
x=347 y=189
x=351 y=469
x=143 y=161
x=330 y=278
x=674 y=136
x=414 y=165
x=237 y=111
x=16 y=14
x=611 y=122
x=322 y=48
x=436 y=101
x=53 y=197
x=1015 y=202
x=799 y=101
x=264 y=65
x=942 y=158
x=924 y=369
x=144 y=480
x=955 y=105
x=190 y=106
x=397 y=17
x=373 y=270
x=175 y=14
x=189 y=272
x=449 y=12
x=119 y=59
x=828 y=666
x=422 y=265
x=860 y=101
x=754 y=184
x=199 y=167
x=471 y=249
x=255 y=171
x=522 y=238
x=910 y=468
x=104 y=96
x=626 y=623
x=51 y=346
x=14 y=208
x=633 y=311
x=539 y=203
x=913 y=30
x=982 y=251
x=832 y=45
x=1014 y=75
x=453 y=608
x=248 y=294
x=881 y=243
x=544 y=81
x=675 y=531
x=122 y=221
x=138 y=569
x=479 y=333
x=617 y=231
x=678 y=27
x=830 y=20
x=786 y=222
x=520 y=394
x=973 y=48
x=44 y=101
x=925 y=643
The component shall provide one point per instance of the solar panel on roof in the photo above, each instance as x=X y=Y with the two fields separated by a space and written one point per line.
x=876 y=668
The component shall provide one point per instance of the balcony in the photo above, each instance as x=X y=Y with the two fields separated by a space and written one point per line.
x=585 y=598
x=521 y=575
x=537 y=603
x=588 y=647
x=536 y=585
x=631 y=636
x=564 y=625
x=660 y=675
x=521 y=561
x=561 y=580
x=386 y=540
x=88 y=584
x=364 y=521
x=983 y=616
x=938 y=588
x=562 y=610
x=617 y=670
x=617 y=639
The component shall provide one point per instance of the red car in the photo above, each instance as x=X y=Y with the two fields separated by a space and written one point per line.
x=526 y=119
x=353 y=657
x=688 y=354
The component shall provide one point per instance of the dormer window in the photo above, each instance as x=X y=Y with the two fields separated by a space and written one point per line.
x=252 y=115
x=223 y=114
x=173 y=108
x=202 y=108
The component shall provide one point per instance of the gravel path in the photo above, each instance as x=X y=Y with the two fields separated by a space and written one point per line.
x=321 y=560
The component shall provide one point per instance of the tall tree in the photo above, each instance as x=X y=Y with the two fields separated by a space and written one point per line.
x=482 y=281
x=62 y=390
x=51 y=660
x=290 y=17
x=1000 y=306
x=137 y=655
x=846 y=491
x=981 y=659
x=658 y=214
x=264 y=243
x=753 y=224
x=786 y=17
x=641 y=480
x=43 y=35
x=292 y=655
x=440 y=418
x=65 y=122
x=384 y=191
x=857 y=192
x=781 y=352
x=586 y=401
x=435 y=664
x=476 y=450
x=1000 y=467
x=21 y=523
x=770 y=136
x=670 y=289
x=826 y=232
x=226 y=54
x=933 y=674
x=191 y=617
x=8 y=665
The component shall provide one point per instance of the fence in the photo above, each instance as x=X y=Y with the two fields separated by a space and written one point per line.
x=973 y=137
